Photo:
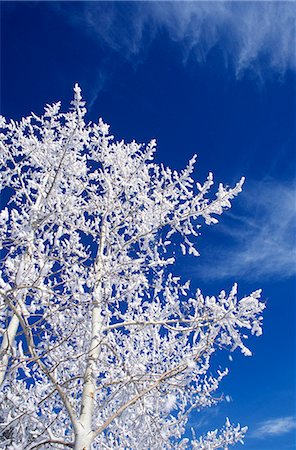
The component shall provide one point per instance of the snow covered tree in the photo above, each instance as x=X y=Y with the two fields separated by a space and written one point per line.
x=102 y=345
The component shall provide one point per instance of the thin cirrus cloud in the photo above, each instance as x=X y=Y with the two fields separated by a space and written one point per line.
x=258 y=240
x=253 y=35
x=256 y=36
x=274 y=427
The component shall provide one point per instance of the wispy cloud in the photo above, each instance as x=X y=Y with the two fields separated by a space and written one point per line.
x=274 y=427
x=259 y=240
x=256 y=36
x=252 y=35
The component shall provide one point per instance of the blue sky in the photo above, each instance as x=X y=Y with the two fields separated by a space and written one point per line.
x=216 y=79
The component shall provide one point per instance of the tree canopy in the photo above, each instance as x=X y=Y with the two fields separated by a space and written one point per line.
x=103 y=345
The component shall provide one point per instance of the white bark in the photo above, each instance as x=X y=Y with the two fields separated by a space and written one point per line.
x=10 y=332
x=89 y=388
x=85 y=436
x=83 y=439
x=7 y=342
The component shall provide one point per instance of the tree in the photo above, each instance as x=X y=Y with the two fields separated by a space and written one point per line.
x=103 y=347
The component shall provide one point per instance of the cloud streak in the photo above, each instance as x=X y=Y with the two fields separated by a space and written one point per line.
x=274 y=427
x=256 y=36
x=253 y=36
x=259 y=240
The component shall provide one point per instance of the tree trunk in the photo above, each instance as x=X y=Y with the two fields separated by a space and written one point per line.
x=82 y=441
x=84 y=434
x=7 y=342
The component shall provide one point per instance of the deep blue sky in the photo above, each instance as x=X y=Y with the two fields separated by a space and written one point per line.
x=216 y=79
